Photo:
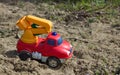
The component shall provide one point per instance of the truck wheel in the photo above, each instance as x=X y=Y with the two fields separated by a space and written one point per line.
x=24 y=55
x=53 y=62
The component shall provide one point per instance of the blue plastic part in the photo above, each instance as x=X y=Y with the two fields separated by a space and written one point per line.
x=51 y=42
x=60 y=41
x=54 y=33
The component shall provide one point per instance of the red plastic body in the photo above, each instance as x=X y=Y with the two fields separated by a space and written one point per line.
x=62 y=51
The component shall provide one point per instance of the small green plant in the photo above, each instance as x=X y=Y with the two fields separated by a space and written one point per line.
x=91 y=20
x=97 y=72
x=20 y=4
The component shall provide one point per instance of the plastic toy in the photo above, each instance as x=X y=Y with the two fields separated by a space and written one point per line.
x=52 y=50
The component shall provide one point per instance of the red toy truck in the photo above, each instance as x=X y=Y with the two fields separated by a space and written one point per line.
x=52 y=50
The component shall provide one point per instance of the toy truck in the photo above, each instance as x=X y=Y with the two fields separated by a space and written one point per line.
x=52 y=50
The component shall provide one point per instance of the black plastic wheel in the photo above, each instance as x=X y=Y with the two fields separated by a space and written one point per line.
x=53 y=62
x=24 y=55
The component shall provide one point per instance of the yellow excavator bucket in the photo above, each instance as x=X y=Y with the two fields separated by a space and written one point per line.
x=22 y=23
x=42 y=26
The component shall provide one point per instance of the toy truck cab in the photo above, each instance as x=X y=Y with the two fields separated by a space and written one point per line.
x=56 y=46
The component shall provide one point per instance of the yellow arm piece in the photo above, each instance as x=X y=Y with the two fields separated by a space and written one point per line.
x=22 y=23
x=41 y=22
x=43 y=27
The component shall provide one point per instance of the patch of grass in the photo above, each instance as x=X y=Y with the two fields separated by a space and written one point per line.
x=20 y=4
x=91 y=20
x=88 y=5
x=70 y=6
x=105 y=8
x=97 y=72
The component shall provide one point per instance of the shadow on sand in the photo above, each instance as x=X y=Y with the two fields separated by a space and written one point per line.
x=11 y=54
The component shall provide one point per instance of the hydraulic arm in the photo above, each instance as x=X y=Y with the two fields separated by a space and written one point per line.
x=32 y=26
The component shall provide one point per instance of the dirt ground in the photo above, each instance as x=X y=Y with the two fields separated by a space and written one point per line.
x=96 y=45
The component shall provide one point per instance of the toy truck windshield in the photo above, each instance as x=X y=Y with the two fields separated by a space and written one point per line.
x=60 y=41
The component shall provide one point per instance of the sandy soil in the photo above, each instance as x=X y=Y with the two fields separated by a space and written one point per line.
x=96 y=45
